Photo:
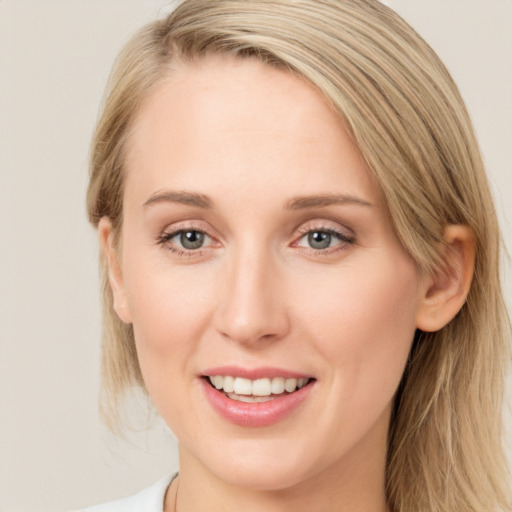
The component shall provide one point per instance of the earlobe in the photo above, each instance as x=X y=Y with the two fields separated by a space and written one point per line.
x=446 y=290
x=115 y=276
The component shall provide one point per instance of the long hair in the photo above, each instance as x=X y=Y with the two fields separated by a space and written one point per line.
x=406 y=116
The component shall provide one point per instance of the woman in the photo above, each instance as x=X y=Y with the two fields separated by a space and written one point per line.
x=301 y=262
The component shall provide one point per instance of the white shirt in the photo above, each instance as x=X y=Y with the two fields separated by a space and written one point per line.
x=150 y=499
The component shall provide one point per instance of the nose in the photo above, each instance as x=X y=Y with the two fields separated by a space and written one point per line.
x=252 y=306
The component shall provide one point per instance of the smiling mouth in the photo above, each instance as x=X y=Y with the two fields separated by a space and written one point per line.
x=258 y=390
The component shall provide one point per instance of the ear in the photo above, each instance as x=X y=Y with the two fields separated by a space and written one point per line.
x=115 y=276
x=446 y=290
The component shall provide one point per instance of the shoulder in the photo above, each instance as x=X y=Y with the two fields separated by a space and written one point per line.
x=150 y=499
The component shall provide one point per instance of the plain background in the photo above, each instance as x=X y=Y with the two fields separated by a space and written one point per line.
x=55 y=57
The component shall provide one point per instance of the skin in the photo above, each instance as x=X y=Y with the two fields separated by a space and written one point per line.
x=251 y=139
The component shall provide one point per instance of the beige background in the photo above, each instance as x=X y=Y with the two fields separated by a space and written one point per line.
x=54 y=59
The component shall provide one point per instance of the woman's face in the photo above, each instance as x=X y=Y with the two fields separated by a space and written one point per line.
x=255 y=247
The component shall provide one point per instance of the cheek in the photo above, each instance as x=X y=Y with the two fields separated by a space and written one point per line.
x=366 y=325
x=169 y=310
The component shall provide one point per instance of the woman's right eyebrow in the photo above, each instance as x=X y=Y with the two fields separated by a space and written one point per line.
x=180 y=197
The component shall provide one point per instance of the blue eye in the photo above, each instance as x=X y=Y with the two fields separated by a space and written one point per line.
x=191 y=239
x=322 y=239
x=185 y=240
x=319 y=239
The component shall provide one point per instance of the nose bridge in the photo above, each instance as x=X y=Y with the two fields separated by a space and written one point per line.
x=252 y=305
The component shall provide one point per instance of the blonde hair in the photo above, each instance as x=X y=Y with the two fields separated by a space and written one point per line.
x=406 y=115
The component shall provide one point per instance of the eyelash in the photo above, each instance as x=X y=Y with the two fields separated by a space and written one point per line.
x=165 y=238
x=344 y=239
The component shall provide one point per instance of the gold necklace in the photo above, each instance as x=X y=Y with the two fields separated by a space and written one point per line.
x=176 y=495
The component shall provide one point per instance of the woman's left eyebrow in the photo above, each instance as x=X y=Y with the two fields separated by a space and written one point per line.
x=181 y=197
x=319 y=201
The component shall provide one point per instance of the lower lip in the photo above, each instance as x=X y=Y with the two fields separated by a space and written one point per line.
x=260 y=414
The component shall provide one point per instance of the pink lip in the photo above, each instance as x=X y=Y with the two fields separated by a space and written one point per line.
x=253 y=374
x=260 y=414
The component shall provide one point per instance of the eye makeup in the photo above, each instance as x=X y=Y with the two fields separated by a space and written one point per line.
x=316 y=238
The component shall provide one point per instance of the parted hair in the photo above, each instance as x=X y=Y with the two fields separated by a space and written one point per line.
x=406 y=116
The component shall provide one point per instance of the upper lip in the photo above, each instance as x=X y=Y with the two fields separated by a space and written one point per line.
x=263 y=372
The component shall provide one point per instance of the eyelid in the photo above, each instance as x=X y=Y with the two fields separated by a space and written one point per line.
x=328 y=226
x=345 y=236
x=169 y=235
x=189 y=225
x=165 y=236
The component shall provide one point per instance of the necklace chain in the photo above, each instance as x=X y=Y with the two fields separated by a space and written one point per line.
x=175 y=509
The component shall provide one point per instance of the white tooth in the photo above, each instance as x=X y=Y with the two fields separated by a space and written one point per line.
x=228 y=384
x=245 y=398
x=290 y=385
x=261 y=399
x=261 y=387
x=218 y=381
x=249 y=399
x=242 y=386
x=277 y=386
x=300 y=383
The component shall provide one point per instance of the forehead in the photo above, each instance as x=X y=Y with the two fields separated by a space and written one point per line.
x=226 y=120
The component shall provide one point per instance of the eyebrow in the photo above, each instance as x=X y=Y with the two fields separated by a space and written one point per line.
x=186 y=198
x=320 y=201
x=295 y=203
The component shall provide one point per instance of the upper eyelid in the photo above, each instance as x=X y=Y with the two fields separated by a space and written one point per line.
x=342 y=238
x=171 y=233
x=304 y=228
x=189 y=225
x=325 y=225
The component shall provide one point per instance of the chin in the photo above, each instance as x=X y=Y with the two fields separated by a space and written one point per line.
x=260 y=465
x=266 y=478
